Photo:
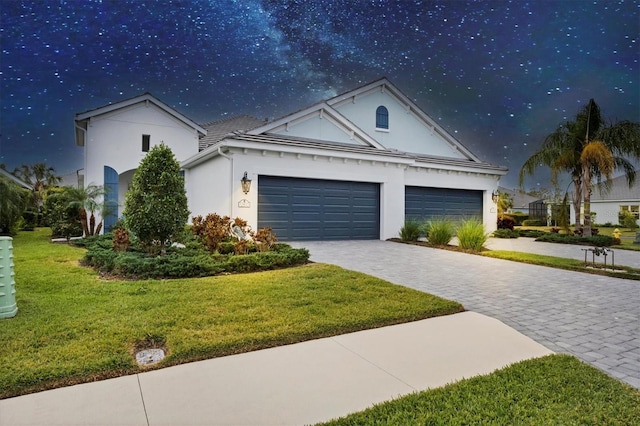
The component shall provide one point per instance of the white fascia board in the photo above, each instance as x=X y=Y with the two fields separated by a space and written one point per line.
x=462 y=169
x=202 y=156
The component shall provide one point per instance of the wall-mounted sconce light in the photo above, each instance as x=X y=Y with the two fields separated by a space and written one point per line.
x=246 y=183
x=495 y=196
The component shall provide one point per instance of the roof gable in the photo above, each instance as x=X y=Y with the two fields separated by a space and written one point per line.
x=81 y=119
x=350 y=118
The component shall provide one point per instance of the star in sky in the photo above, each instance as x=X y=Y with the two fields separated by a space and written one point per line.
x=499 y=75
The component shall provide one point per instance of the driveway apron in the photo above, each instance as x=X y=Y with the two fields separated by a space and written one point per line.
x=595 y=318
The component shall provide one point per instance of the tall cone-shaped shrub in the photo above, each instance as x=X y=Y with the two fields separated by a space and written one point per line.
x=156 y=203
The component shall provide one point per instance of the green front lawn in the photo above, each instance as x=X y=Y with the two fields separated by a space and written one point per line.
x=554 y=390
x=73 y=326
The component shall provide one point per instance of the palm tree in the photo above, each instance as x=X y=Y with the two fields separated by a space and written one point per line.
x=587 y=148
x=87 y=199
x=40 y=177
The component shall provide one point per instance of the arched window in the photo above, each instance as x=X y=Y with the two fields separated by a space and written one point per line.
x=382 y=118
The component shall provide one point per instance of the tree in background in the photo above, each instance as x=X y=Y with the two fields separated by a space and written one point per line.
x=40 y=177
x=587 y=149
x=156 y=203
x=505 y=202
x=60 y=215
x=13 y=201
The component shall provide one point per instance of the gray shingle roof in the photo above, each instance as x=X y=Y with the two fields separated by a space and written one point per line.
x=520 y=199
x=619 y=190
x=217 y=130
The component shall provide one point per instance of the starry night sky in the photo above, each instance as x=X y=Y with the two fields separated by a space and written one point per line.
x=499 y=75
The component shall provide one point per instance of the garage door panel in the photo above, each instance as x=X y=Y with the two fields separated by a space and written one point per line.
x=319 y=209
x=456 y=204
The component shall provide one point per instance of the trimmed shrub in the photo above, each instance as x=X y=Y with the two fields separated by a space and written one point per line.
x=410 y=231
x=627 y=219
x=531 y=233
x=506 y=222
x=534 y=222
x=596 y=240
x=192 y=261
x=155 y=208
x=505 y=233
x=471 y=235
x=440 y=231
x=519 y=217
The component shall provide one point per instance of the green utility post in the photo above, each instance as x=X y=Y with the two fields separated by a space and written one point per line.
x=8 y=307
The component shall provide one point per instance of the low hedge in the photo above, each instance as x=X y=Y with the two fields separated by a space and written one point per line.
x=192 y=261
x=534 y=222
x=596 y=240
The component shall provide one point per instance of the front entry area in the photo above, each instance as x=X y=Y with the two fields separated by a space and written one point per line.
x=316 y=209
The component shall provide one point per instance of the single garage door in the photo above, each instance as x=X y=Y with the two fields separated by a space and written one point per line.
x=314 y=209
x=424 y=203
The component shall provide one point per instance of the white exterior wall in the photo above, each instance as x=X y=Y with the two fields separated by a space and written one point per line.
x=406 y=133
x=606 y=211
x=209 y=187
x=211 y=177
x=115 y=139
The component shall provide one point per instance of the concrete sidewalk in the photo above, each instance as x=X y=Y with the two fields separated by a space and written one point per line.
x=290 y=385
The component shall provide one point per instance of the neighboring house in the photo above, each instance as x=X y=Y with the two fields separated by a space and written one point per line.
x=15 y=180
x=116 y=138
x=351 y=167
x=520 y=200
x=606 y=204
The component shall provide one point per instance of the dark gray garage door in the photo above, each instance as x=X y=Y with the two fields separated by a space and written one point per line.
x=313 y=209
x=425 y=203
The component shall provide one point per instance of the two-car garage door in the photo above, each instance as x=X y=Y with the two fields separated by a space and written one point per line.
x=315 y=209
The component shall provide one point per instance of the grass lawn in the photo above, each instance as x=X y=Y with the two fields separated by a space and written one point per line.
x=627 y=236
x=73 y=326
x=562 y=263
x=554 y=390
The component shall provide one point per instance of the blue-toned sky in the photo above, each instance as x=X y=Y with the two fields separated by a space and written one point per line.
x=499 y=75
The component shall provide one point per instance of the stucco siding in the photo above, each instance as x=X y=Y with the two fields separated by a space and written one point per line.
x=317 y=127
x=406 y=132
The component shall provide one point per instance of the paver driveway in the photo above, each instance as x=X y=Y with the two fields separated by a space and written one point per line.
x=594 y=318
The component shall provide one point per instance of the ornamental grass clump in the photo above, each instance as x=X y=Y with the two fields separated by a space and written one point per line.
x=471 y=235
x=440 y=231
x=410 y=231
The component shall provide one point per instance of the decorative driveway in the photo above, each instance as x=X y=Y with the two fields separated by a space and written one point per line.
x=595 y=318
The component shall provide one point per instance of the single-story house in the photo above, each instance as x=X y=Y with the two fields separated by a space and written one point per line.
x=606 y=204
x=354 y=166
